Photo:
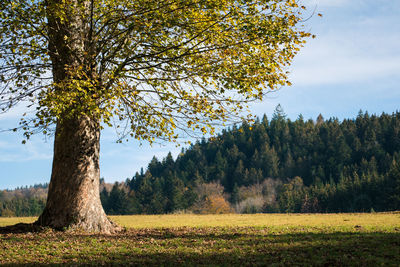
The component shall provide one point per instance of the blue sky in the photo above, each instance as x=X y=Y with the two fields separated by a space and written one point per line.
x=353 y=64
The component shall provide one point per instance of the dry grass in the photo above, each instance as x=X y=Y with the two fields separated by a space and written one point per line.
x=371 y=221
x=15 y=220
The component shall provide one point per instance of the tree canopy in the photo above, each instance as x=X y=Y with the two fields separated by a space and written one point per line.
x=151 y=68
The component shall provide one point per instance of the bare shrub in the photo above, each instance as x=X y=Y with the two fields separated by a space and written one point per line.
x=269 y=190
x=251 y=205
x=210 y=189
x=258 y=197
x=211 y=199
x=251 y=191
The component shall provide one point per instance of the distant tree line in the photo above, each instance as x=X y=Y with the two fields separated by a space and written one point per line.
x=275 y=165
x=23 y=201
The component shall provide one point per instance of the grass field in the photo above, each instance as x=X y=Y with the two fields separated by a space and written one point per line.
x=218 y=240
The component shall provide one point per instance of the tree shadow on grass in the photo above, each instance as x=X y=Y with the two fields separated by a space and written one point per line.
x=21 y=228
x=307 y=249
x=219 y=247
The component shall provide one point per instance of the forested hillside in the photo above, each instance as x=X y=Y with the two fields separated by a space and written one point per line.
x=274 y=165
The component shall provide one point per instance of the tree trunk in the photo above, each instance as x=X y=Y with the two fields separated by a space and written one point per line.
x=73 y=200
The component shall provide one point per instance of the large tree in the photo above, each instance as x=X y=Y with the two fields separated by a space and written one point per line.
x=151 y=68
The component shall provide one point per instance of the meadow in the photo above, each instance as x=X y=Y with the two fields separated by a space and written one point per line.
x=368 y=239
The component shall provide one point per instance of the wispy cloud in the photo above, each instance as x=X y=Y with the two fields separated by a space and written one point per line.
x=341 y=69
x=327 y=3
x=11 y=150
x=359 y=49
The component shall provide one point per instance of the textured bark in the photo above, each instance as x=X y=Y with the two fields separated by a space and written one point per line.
x=74 y=199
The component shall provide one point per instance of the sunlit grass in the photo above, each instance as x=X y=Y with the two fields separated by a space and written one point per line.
x=370 y=221
x=367 y=220
x=4 y=221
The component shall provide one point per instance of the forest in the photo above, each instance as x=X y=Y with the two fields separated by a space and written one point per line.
x=270 y=166
x=23 y=201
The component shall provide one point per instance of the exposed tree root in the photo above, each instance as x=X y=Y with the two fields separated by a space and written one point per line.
x=23 y=228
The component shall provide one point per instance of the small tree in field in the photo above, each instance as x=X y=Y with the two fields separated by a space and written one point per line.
x=151 y=68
